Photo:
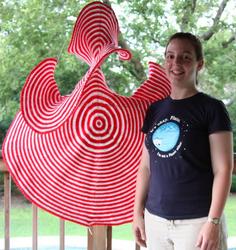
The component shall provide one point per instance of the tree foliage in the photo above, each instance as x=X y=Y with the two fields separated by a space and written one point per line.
x=31 y=30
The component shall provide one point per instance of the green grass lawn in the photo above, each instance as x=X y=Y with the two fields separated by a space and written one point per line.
x=21 y=224
x=21 y=221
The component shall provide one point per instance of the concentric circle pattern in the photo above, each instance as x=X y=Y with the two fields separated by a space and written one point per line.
x=42 y=106
x=77 y=156
x=95 y=34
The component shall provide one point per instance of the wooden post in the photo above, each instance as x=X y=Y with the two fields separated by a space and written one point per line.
x=109 y=238
x=7 y=208
x=62 y=234
x=35 y=227
x=7 y=202
x=137 y=247
x=100 y=238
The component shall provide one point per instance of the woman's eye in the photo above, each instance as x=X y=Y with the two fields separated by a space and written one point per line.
x=169 y=56
x=187 y=58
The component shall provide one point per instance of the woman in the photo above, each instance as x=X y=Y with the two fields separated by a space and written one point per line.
x=185 y=171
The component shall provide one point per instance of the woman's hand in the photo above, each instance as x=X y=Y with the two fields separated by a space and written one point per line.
x=209 y=237
x=139 y=230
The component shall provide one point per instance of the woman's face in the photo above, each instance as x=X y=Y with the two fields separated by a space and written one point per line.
x=181 y=63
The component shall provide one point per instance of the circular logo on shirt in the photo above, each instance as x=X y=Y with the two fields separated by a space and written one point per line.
x=166 y=136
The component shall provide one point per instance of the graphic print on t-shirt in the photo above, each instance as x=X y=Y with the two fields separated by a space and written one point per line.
x=166 y=136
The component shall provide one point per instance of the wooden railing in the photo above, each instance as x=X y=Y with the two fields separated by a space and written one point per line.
x=98 y=237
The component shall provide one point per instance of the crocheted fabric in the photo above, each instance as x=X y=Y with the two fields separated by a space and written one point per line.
x=77 y=156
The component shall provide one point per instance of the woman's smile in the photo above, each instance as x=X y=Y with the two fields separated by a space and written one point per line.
x=177 y=72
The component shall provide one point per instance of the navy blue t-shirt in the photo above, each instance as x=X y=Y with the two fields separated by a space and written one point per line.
x=178 y=143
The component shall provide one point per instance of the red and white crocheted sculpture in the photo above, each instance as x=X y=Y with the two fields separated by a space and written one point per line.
x=77 y=156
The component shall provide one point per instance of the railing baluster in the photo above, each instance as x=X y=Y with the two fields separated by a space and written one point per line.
x=62 y=234
x=7 y=207
x=35 y=227
x=109 y=238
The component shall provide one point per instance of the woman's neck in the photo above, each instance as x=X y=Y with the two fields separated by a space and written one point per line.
x=181 y=93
